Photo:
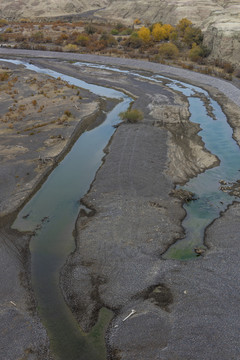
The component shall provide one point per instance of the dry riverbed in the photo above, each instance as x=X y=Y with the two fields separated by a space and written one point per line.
x=182 y=310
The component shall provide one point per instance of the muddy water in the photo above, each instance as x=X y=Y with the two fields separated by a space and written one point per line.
x=52 y=214
x=217 y=136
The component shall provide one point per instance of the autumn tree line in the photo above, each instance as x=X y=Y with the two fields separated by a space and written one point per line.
x=181 y=44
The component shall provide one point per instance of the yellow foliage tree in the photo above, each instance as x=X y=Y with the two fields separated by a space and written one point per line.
x=183 y=25
x=158 y=32
x=168 y=30
x=144 y=34
x=162 y=32
x=137 y=22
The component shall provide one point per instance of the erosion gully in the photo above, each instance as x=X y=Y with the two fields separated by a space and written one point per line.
x=53 y=211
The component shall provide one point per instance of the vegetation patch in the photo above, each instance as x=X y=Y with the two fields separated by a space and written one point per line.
x=181 y=45
x=131 y=115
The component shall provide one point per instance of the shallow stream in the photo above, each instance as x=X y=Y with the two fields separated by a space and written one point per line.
x=217 y=135
x=52 y=214
x=54 y=209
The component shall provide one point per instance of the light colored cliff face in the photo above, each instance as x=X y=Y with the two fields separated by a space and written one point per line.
x=151 y=10
x=220 y=19
x=222 y=32
x=168 y=11
x=47 y=8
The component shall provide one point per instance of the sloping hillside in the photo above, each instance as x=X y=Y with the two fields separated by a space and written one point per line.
x=14 y=9
x=170 y=11
x=220 y=19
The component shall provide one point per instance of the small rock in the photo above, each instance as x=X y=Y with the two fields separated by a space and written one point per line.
x=199 y=251
x=184 y=195
x=222 y=182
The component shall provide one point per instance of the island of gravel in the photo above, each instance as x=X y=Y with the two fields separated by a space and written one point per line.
x=183 y=310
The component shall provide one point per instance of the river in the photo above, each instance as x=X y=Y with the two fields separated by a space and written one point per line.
x=53 y=211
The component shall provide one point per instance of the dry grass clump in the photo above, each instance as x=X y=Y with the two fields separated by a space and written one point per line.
x=132 y=115
x=4 y=76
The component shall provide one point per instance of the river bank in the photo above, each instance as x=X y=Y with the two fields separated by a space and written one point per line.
x=117 y=263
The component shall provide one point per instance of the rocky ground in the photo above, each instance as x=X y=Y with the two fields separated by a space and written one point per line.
x=182 y=310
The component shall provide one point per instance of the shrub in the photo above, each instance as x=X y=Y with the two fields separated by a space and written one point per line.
x=158 y=32
x=120 y=26
x=144 y=34
x=168 y=50
x=90 y=29
x=133 y=41
x=4 y=76
x=193 y=35
x=238 y=73
x=82 y=40
x=8 y=30
x=195 y=53
x=228 y=67
x=114 y=32
x=169 y=29
x=173 y=36
x=3 y=22
x=183 y=25
x=131 y=115
x=20 y=38
x=127 y=31
x=111 y=41
x=70 y=47
x=198 y=52
x=67 y=113
x=137 y=22
x=61 y=38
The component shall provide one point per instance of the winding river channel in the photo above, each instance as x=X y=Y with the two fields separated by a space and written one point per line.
x=217 y=135
x=53 y=211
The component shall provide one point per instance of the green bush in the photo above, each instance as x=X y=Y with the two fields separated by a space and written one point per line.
x=127 y=31
x=90 y=29
x=82 y=40
x=168 y=50
x=196 y=53
x=133 y=41
x=193 y=35
x=131 y=115
x=114 y=32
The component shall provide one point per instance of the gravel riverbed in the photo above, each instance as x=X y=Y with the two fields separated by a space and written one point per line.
x=183 y=310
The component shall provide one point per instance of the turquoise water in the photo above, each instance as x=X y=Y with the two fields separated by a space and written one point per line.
x=217 y=136
x=52 y=214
